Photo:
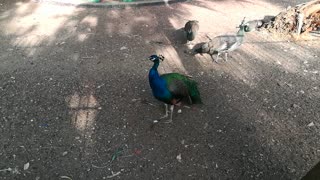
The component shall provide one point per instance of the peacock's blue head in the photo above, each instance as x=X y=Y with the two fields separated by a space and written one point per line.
x=156 y=58
x=243 y=27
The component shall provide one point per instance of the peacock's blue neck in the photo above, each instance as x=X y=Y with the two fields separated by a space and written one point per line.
x=241 y=31
x=157 y=84
x=156 y=65
x=153 y=73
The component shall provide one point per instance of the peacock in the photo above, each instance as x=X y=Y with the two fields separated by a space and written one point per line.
x=224 y=43
x=191 y=29
x=172 y=88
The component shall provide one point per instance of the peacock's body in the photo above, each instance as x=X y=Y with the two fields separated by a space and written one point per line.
x=223 y=43
x=191 y=29
x=253 y=25
x=172 y=88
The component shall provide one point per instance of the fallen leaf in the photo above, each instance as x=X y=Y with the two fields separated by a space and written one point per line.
x=137 y=151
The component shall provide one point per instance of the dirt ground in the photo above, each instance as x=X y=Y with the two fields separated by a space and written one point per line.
x=76 y=103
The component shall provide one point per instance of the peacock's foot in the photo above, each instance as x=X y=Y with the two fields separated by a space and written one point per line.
x=167 y=112
x=168 y=121
x=165 y=116
x=214 y=59
x=161 y=120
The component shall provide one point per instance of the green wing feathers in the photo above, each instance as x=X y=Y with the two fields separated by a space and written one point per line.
x=187 y=84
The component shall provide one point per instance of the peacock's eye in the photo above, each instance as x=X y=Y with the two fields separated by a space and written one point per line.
x=153 y=58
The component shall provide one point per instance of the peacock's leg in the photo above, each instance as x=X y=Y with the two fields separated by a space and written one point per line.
x=218 y=54
x=213 y=59
x=171 y=109
x=167 y=112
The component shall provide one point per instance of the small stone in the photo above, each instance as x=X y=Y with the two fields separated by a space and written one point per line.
x=64 y=153
x=205 y=126
x=26 y=166
x=294 y=106
x=179 y=111
x=183 y=141
x=123 y=48
x=311 y=124
x=179 y=158
x=292 y=170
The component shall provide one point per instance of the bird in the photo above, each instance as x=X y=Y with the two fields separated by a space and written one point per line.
x=224 y=43
x=191 y=29
x=171 y=88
